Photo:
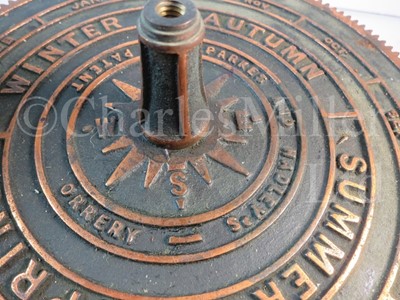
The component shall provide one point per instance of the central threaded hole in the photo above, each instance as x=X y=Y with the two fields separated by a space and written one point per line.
x=171 y=9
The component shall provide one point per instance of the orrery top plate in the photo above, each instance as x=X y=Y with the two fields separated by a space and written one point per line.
x=293 y=195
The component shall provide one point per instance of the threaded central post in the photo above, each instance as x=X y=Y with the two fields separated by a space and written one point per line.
x=171 y=9
x=171 y=34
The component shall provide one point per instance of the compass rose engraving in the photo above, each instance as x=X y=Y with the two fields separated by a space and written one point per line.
x=177 y=168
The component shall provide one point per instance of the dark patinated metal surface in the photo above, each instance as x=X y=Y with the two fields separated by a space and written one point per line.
x=288 y=190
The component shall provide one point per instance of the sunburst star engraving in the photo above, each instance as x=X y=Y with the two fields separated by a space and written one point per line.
x=135 y=158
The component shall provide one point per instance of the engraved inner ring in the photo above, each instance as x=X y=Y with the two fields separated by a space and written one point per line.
x=133 y=215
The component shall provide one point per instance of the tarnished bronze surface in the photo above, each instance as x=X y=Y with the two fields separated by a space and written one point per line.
x=275 y=174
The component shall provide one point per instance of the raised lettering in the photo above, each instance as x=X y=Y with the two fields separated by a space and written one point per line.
x=117 y=57
x=288 y=153
x=110 y=23
x=32 y=68
x=267 y=199
x=131 y=236
x=77 y=203
x=178 y=181
x=16 y=85
x=106 y=127
x=69 y=38
x=128 y=53
x=10 y=255
x=292 y=54
x=311 y=71
x=213 y=20
x=117 y=229
x=285 y=166
x=4 y=228
x=255 y=29
x=281 y=180
x=352 y=164
x=343 y=191
x=234 y=224
x=86 y=77
x=90 y=31
x=235 y=24
x=25 y=284
x=257 y=211
x=257 y=3
x=273 y=293
x=68 y=190
x=107 y=64
x=78 y=87
x=102 y=222
x=89 y=213
x=8 y=40
x=322 y=252
x=339 y=220
x=272 y=41
x=51 y=53
x=275 y=189
x=301 y=281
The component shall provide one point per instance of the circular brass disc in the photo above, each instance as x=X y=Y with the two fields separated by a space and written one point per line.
x=293 y=195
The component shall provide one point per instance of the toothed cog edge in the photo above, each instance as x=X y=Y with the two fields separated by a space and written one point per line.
x=361 y=29
x=340 y=15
